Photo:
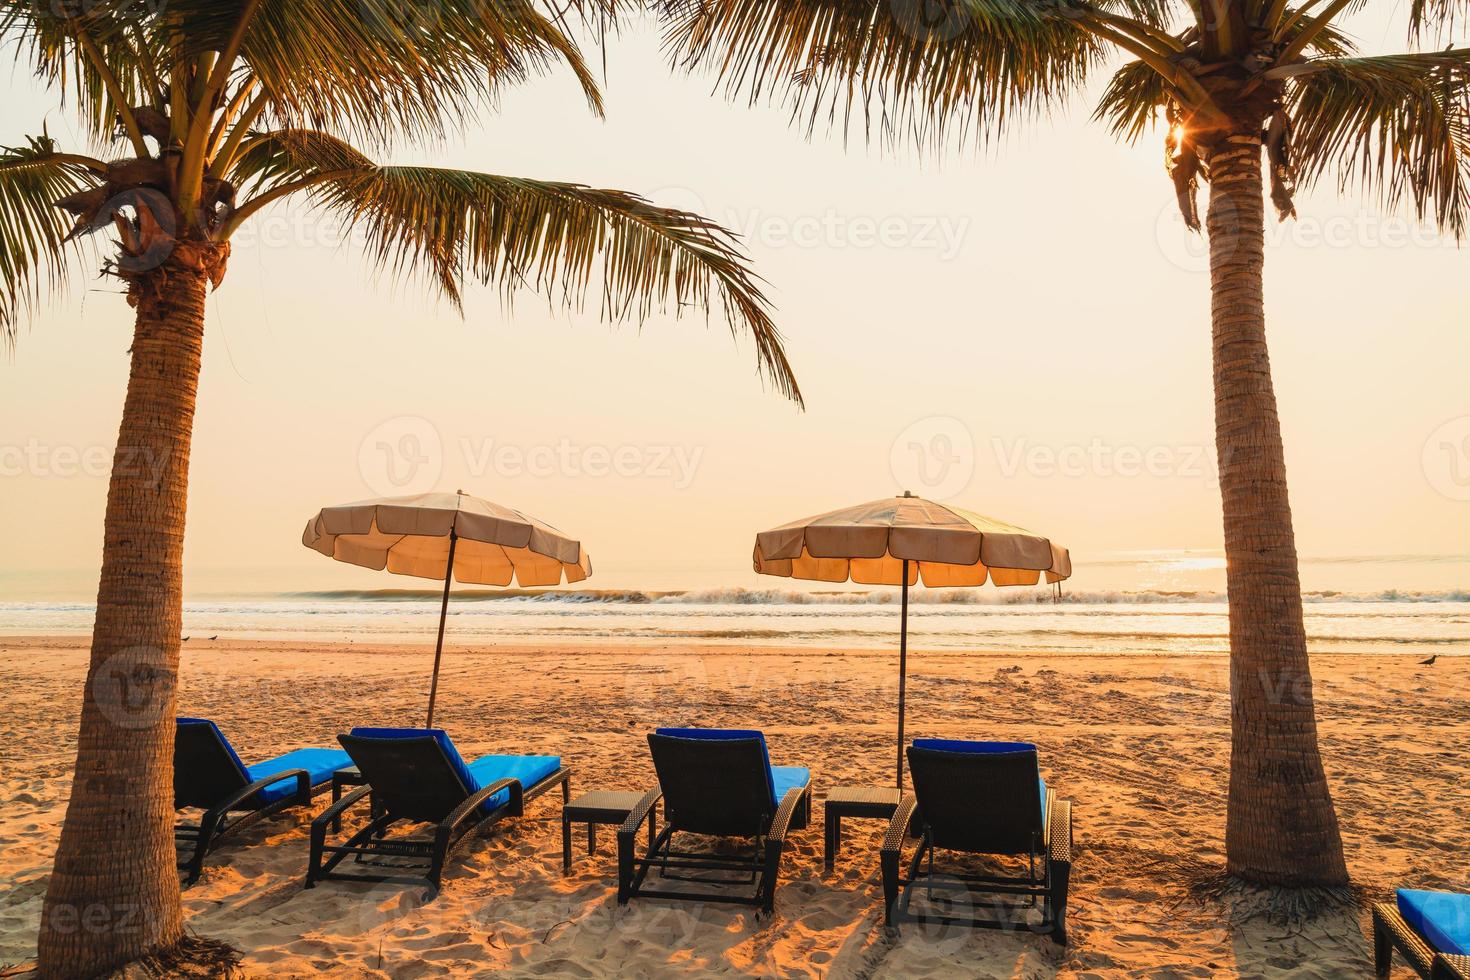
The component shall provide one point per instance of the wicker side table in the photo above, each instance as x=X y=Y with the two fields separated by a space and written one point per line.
x=599 y=806
x=862 y=802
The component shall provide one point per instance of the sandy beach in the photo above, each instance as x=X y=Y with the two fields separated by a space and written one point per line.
x=1140 y=744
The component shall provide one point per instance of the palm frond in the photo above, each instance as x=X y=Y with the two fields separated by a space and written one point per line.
x=1132 y=101
x=902 y=68
x=557 y=238
x=1328 y=41
x=1437 y=18
x=271 y=159
x=33 y=231
x=381 y=69
x=1397 y=124
x=1160 y=14
x=89 y=52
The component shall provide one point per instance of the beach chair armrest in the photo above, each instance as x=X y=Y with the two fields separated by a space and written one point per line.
x=1448 y=967
x=1059 y=830
x=334 y=812
x=782 y=821
x=639 y=813
x=302 y=794
x=477 y=799
x=898 y=827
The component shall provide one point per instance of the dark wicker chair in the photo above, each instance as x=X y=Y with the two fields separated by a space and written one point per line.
x=209 y=775
x=720 y=784
x=1392 y=931
x=416 y=776
x=984 y=798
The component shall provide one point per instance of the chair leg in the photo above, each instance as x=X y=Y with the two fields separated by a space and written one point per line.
x=1061 y=875
x=336 y=798
x=889 y=862
x=627 y=851
x=195 y=866
x=566 y=845
x=770 y=878
x=1382 y=949
x=208 y=825
x=314 y=860
x=832 y=824
x=436 y=869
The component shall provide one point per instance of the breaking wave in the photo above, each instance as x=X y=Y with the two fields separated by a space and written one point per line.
x=885 y=596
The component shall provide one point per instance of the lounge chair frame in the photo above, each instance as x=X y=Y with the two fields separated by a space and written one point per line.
x=370 y=845
x=762 y=864
x=211 y=759
x=1391 y=932
x=198 y=841
x=1053 y=852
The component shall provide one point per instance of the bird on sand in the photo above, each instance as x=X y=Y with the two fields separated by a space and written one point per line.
x=1429 y=662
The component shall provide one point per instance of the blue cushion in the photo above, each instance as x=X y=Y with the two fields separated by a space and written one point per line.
x=239 y=766
x=982 y=748
x=959 y=745
x=1443 y=918
x=529 y=769
x=729 y=735
x=456 y=762
x=786 y=778
x=318 y=763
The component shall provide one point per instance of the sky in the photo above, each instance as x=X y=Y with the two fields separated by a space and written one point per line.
x=1020 y=329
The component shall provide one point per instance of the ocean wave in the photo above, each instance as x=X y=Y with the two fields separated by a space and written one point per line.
x=343 y=601
x=886 y=596
x=468 y=595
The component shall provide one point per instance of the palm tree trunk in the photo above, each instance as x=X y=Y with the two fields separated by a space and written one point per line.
x=1281 y=828
x=114 y=893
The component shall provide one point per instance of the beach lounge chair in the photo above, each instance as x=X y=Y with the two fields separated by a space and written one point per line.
x=984 y=798
x=416 y=776
x=208 y=774
x=1430 y=929
x=716 y=783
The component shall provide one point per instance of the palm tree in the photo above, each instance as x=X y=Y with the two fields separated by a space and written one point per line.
x=202 y=114
x=1235 y=80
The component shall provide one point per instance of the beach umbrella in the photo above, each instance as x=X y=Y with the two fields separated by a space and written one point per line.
x=448 y=536
x=903 y=541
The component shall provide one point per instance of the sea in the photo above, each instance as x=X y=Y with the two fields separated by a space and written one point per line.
x=1163 y=602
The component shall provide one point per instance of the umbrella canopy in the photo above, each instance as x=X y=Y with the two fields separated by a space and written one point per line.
x=448 y=536
x=493 y=545
x=905 y=540
x=944 y=546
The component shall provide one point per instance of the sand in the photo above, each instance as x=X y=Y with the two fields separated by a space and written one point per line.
x=1140 y=744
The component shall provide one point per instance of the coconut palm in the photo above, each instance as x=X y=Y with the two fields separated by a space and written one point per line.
x=1234 y=81
x=200 y=115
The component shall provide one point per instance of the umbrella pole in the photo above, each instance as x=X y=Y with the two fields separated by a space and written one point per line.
x=443 y=614
x=903 y=665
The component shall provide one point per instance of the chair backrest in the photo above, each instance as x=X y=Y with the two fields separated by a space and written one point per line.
x=980 y=797
x=714 y=781
x=415 y=773
x=206 y=769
